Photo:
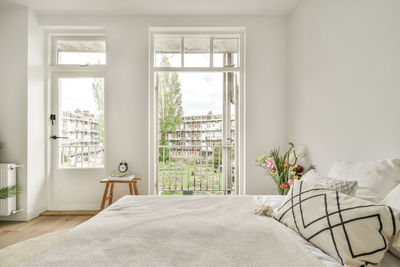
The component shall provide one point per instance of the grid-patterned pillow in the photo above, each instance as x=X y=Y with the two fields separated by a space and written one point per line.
x=355 y=232
x=343 y=186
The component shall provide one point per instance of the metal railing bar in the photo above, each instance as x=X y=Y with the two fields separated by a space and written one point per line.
x=169 y=169
x=176 y=170
x=163 y=167
x=201 y=166
x=188 y=164
x=182 y=181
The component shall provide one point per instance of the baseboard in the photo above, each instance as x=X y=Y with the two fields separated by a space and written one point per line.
x=69 y=213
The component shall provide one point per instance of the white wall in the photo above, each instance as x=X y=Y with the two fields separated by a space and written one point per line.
x=22 y=107
x=37 y=193
x=13 y=96
x=126 y=96
x=344 y=79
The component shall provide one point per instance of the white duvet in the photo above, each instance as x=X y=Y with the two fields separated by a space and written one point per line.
x=179 y=231
x=185 y=231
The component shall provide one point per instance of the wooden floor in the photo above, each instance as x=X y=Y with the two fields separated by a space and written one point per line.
x=13 y=232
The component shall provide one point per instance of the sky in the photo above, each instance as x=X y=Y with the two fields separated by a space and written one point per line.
x=201 y=92
x=77 y=93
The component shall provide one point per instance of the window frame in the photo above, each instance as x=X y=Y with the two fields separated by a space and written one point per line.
x=56 y=71
x=222 y=32
x=54 y=51
x=239 y=35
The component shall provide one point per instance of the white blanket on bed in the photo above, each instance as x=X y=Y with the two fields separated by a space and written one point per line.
x=179 y=231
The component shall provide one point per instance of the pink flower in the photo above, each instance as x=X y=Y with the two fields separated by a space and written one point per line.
x=291 y=181
x=284 y=185
x=270 y=164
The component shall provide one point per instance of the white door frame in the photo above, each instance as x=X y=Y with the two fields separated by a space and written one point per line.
x=54 y=70
x=152 y=100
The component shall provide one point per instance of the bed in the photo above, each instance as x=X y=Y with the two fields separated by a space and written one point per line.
x=186 y=231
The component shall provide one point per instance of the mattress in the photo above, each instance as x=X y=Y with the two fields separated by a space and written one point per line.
x=186 y=231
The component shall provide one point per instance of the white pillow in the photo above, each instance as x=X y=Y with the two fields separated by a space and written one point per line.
x=343 y=186
x=375 y=178
x=393 y=200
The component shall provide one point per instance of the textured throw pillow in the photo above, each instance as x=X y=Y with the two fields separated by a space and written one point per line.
x=343 y=186
x=353 y=231
x=393 y=200
x=375 y=179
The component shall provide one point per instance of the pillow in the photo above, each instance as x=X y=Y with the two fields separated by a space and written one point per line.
x=343 y=186
x=393 y=200
x=353 y=231
x=375 y=179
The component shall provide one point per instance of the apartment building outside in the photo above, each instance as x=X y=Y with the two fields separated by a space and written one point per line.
x=203 y=132
x=81 y=145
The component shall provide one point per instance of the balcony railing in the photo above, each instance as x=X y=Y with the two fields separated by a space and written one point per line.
x=187 y=170
x=81 y=156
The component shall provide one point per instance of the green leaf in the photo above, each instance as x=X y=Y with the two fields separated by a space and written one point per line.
x=10 y=191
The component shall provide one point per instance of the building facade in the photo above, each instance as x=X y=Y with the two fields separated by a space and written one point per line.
x=199 y=134
x=80 y=128
x=82 y=145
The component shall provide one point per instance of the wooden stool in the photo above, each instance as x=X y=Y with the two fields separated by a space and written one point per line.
x=109 y=196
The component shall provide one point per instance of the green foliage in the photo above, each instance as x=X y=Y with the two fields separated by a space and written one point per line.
x=170 y=111
x=282 y=172
x=163 y=152
x=217 y=155
x=10 y=191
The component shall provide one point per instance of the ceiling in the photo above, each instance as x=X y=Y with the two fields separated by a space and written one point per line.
x=159 y=7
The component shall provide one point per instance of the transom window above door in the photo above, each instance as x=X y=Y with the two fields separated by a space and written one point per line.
x=196 y=51
x=79 y=50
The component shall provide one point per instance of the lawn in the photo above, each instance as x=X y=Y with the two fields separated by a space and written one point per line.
x=176 y=177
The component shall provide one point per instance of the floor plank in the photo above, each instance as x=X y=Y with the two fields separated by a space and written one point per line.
x=69 y=212
x=13 y=232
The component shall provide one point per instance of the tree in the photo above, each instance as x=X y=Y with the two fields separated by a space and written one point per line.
x=98 y=94
x=218 y=155
x=170 y=111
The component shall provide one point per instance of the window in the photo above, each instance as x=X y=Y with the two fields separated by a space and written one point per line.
x=197 y=75
x=79 y=51
x=78 y=66
x=195 y=51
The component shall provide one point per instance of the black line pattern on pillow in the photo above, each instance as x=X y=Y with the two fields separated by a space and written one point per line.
x=296 y=201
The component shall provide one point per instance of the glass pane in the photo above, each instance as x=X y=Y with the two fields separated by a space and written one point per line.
x=81 y=111
x=225 y=53
x=190 y=114
x=81 y=52
x=167 y=51
x=197 y=52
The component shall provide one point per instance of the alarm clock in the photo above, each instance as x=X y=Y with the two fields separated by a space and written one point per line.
x=123 y=166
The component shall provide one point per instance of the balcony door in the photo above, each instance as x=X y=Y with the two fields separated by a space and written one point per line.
x=76 y=120
x=196 y=80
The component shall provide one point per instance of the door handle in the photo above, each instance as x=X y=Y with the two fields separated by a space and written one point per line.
x=58 y=137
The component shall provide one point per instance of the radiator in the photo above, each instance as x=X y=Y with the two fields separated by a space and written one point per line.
x=8 y=178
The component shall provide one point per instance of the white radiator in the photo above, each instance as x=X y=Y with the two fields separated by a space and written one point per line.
x=8 y=178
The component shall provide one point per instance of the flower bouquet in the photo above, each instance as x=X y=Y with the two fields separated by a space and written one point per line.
x=283 y=168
